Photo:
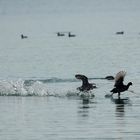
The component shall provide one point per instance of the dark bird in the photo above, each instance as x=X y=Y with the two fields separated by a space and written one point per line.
x=120 y=33
x=23 y=36
x=119 y=86
x=86 y=86
x=71 y=35
x=109 y=77
x=60 y=34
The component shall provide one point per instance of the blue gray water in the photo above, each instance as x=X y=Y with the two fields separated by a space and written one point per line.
x=38 y=92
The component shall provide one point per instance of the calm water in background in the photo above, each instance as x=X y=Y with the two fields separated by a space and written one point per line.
x=37 y=74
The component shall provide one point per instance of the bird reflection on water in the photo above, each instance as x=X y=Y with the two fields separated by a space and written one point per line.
x=120 y=110
x=120 y=105
x=120 y=100
x=85 y=105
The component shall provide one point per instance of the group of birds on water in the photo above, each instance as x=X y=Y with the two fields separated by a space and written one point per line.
x=69 y=34
x=63 y=34
x=119 y=86
x=59 y=34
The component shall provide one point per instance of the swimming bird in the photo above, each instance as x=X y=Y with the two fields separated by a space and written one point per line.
x=60 y=34
x=119 y=85
x=23 y=37
x=86 y=86
x=109 y=77
x=71 y=35
x=120 y=33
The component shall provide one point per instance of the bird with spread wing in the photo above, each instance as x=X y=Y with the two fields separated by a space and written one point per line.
x=86 y=86
x=119 y=86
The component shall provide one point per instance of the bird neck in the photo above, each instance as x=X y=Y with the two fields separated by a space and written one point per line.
x=128 y=85
x=85 y=82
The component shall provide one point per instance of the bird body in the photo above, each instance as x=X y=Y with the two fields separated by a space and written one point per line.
x=23 y=36
x=60 y=34
x=71 y=35
x=86 y=86
x=119 y=86
x=120 y=33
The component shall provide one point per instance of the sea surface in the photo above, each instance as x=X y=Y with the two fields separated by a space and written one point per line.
x=39 y=99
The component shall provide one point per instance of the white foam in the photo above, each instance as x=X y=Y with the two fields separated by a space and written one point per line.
x=36 y=88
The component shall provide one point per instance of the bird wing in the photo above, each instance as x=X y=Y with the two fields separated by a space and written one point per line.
x=119 y=78
x=81 y=77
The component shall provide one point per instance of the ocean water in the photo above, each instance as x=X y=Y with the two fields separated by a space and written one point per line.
x=39 y=98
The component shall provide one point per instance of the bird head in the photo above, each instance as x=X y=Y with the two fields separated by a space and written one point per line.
x=130 y=83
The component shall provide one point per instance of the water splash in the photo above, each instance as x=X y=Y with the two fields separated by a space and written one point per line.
x=41 y=87
x=19 y=88
x=35 y=88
